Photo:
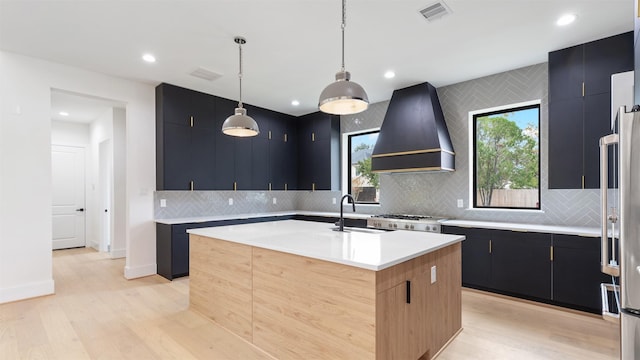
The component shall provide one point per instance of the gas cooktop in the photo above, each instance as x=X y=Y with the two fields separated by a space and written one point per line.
x=405 y=222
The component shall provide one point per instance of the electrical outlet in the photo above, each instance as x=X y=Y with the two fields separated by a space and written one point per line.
x=433 y=274
x=460 y=203
x=334 y=201
x=275 y=201
x=230 y=201
x=163 y=202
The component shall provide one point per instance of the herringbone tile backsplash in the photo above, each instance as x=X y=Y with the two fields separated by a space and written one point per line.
x=421 y=193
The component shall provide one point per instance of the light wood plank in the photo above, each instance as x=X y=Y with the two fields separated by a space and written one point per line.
x=312 y=309
x=221 y=283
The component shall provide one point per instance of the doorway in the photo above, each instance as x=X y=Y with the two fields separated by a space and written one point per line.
x=99 y=126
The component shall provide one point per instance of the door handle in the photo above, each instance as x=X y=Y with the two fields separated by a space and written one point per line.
x=408 y=292
x=81 y=209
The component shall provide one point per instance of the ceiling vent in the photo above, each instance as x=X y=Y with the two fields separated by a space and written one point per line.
x=205 y=74
x=435 y=11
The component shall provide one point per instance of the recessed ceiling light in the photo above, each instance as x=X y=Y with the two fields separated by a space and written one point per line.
x=63 y=113
x=295 y=102
x=149 y=58
x=389 y=74
x=566 y=19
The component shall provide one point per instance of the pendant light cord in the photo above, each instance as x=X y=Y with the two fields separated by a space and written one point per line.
x=240 y=74
x=344 y=24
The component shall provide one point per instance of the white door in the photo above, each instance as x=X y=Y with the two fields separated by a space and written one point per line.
x=67 y=169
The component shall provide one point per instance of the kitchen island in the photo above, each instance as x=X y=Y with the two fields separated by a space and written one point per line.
x=298 y=289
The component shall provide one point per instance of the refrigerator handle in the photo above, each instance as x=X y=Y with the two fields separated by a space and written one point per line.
x=606 y=267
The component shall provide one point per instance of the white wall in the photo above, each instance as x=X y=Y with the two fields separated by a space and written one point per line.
x=25 y=169
x=119 y=213
x=69 y=133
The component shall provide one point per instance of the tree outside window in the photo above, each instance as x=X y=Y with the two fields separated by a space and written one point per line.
x=507 y=158
x=364 y=184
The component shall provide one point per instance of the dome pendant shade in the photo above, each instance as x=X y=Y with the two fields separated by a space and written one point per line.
x=343 y=97
x=240 y=124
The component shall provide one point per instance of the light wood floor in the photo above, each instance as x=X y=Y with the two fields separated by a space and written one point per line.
x=98 y=314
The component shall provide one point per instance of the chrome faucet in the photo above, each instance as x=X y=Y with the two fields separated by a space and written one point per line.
x=341 y=221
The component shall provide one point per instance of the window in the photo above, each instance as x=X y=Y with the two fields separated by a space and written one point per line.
x=363 y=184
x=506 y=157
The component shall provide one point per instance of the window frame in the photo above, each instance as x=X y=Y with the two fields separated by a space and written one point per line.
x=346 y=162
x=473 y=115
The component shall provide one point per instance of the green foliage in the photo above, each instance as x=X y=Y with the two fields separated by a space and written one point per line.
x=362 y=146
x=506 y=156
x=364 y=167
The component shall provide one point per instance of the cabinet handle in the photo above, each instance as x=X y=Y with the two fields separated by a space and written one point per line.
x=408 y=292
x=235 y=186
x=490 y=247
x=285 y=186
x=313 y=136
x=583 y=89
x=551 y=252
x=313 y=186
x=192 y=121
x=191 y=185
x=269 y=134
x=583 y=181
x=285 y=138
x=269 y=186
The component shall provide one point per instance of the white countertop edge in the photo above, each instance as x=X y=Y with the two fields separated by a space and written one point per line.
x=554 y=229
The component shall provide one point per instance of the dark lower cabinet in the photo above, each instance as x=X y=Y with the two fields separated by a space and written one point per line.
x=576 y=272
x=172 y=243
x=521 y=263
x=557 y=269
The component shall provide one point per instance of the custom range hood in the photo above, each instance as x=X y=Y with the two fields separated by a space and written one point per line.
x=413 y=135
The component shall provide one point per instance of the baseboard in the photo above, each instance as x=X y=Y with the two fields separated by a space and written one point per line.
x=118 y=253
x=27 y=291
x=139 y=271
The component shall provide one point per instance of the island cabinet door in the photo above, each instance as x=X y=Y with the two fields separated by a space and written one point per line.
x=393 y=323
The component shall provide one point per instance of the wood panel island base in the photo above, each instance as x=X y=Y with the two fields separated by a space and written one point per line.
x=298 y=290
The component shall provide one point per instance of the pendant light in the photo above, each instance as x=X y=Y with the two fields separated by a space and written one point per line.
x=240 y=124
x=343 y=97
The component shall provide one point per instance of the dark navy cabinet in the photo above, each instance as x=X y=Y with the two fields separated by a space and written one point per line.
x=318 y=152
x=192 y=153
x=185 y=139
x=579 y=108
x=576 y=272
x=557 y=269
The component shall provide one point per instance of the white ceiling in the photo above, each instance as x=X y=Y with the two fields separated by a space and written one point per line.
x=293 y=46
x=80 y=108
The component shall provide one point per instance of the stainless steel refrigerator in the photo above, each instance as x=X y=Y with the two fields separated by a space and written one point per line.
x=621 y=228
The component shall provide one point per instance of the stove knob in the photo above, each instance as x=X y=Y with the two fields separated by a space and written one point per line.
x=411 y=227
x=395 y=226
x=406 y=226
x=390 y=225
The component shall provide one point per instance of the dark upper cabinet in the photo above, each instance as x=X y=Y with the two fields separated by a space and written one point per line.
x=283 y=154
x=185 y=140
x=225 y=147
x=566 y=73
x=579 y=108
x=576 y=272
x=318 y=152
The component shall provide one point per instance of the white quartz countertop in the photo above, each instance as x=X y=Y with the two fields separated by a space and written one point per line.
x=549 y=229
x=363 y=248
x=347 y=214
